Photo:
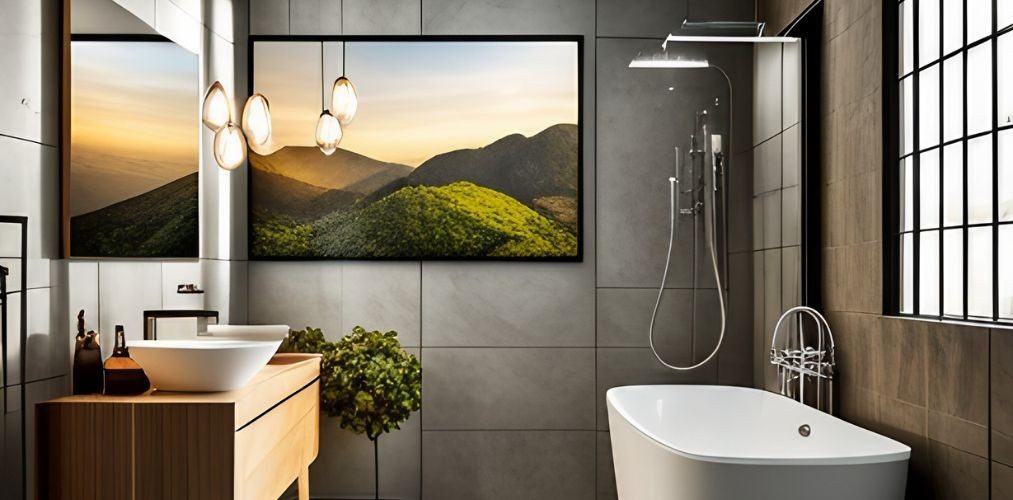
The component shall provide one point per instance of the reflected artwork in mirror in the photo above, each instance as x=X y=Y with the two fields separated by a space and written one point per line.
x=461 y=148
x=131 y=186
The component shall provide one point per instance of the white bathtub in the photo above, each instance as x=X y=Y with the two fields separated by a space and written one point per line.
x=692 y=442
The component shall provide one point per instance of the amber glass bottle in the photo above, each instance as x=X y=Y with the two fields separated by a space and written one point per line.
x=124 y=377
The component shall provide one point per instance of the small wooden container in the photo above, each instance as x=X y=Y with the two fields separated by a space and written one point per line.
x=124 y=377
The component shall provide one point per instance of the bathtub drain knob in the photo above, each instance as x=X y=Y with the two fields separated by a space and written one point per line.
x=804 y=430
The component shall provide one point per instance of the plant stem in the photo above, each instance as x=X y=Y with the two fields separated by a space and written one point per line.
x=376 y=468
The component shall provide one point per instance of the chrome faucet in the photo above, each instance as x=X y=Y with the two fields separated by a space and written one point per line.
x=801 y=363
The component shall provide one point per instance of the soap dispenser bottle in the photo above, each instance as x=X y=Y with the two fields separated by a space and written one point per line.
x=87 y=360
x=124 y=377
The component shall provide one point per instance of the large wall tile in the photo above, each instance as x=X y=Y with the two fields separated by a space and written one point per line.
x=640 y=18
x=492 y=465
x=767 y=91
x=382 y=17
x=45 y=349
x=176 y=273
x=605 y=483
x=508 y=388
x=344 y=466
x=767 y=165
x=1002 y=482
x=507 y=304
x=791 y=156
x=1002 y=404
x=740 y=202
x=791 y=88
x=735 y=361
x=31 y=187
x=315 y=17
x=619 y=366
x=636 y=109
x=126 y=290
x=514 y=17
x=624 y=318
x=382 y=296
x=29 y=52
x=269 y=17
x=958 y=397
x=956 y=475
x=12 y=362
x=768 y=209
x=297 y=294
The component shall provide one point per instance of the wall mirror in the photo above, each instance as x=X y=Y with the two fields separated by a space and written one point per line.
x=131 y=179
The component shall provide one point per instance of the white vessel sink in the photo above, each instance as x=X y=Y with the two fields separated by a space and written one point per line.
x=201 y=365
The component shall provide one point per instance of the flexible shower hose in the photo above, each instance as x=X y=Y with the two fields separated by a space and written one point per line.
x=709 y=226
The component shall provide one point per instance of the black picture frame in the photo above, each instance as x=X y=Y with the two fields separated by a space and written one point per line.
x=577 y=39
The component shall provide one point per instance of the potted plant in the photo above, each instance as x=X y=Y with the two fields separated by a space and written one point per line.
x=367 y=381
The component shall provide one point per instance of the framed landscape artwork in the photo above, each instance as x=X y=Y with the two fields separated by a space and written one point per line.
x=461 y=148
x=131 y=185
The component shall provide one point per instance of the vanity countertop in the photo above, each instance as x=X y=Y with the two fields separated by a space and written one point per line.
x=283 y=375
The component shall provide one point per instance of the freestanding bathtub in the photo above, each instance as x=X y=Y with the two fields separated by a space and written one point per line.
x=693 y=442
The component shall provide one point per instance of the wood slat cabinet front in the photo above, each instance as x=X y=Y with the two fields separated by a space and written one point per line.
x=246 y=444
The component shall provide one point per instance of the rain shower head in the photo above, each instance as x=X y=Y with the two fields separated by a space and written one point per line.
x=663 y=59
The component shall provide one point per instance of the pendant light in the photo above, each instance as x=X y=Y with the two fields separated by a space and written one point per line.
x=257 y=123
x=328 y=133
x=229 y=147
x=344 y=99
x=216 y=111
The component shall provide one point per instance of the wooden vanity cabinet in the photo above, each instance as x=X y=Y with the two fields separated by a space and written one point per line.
x=251 y=443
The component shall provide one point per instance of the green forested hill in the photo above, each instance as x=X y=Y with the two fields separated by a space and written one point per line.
x=159 y=223
x=460 y=219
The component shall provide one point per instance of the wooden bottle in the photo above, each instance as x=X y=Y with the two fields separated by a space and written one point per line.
x=124 y=377
x=87 y=360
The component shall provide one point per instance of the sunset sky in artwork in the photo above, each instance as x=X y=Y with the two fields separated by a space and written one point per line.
x=134 y=119
x=420 y=99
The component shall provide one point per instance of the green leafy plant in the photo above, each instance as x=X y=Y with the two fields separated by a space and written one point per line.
x=368 y=382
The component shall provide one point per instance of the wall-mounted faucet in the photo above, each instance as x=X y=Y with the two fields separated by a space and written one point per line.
x=150 y=318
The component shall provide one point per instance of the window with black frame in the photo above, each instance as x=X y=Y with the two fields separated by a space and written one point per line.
x=949 y=198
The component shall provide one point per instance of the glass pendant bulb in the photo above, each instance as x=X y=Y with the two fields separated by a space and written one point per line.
x=257 y=123
x=328 y=133
x=344 y=100
x=230 y=147
x=217 y=112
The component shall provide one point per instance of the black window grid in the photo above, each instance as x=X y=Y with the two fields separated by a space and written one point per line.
x=894 y=228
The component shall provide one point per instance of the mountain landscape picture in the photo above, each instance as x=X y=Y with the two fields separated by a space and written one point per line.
x=459 y=150
x=134 y=150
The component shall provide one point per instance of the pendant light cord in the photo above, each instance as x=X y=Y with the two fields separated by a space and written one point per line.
x=322 y=103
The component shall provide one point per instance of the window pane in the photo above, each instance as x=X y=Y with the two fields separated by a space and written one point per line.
x=979 y=88
x=907 y=135
x=979 y=180
x=1006 y=271
x=1005 y=13
x=953 y=184
x=979 y=271
x=907 y=203
x=953 y=97
x=907 y=45
x=928 y=285
x=979 y=19
x=1004 y=75
x=929 y=189
x=953 y=272
x=907 y=278
x=953 y=25
x=1006 y=175
x=928 y=107
x=928 y=31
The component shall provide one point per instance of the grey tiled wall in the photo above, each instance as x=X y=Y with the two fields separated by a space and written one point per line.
x=518 y=356
x=777 y=151
x=29 y=186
